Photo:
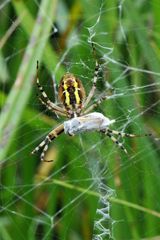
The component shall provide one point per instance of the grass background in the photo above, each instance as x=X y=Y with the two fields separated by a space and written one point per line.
x=59 y=200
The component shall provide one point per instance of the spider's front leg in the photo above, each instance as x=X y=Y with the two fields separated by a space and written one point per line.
x=44 y=144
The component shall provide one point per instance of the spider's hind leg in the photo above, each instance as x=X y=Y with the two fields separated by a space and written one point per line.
x=44 y=144
x=110 y=133
x=95 y=78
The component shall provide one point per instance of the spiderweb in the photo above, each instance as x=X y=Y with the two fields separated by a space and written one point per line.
x=92 y=190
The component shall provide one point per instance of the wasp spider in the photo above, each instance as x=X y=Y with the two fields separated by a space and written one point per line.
x=76 y=107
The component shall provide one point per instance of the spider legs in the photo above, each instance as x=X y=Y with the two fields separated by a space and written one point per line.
x=44 y=144
x=50 y=108
x=95 y=104
x=47 y=102
x=110 y=133
x=95 y=77
x=122 y=134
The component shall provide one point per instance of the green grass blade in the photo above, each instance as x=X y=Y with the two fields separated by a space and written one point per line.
x=20 y=92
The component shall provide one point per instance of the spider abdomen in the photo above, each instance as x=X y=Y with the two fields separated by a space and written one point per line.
x=71 y=92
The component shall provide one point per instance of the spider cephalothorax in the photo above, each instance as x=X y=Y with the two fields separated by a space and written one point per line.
x=71 y=93
x=75 y=106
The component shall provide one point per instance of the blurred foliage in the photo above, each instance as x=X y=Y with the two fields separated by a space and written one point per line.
x=59 y=200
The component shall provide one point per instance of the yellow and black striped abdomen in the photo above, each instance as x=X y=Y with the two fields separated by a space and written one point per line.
x=71 y=92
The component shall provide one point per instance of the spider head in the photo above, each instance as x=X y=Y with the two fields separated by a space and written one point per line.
x=71 y=94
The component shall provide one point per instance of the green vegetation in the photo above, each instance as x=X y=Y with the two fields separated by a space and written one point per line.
x=59 y=200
